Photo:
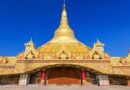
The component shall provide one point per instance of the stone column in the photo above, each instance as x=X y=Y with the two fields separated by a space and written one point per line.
x=43 y=76
x=83 y=76
x=24 y=79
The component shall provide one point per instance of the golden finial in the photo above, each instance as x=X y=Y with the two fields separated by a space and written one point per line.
x=64 y=3
x=97 y=39
x=99 y=43
x=64 y=19
x=31 y=39
x=30 y=42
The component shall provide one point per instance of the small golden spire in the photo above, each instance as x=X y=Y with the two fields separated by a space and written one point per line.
x=29 y=43
x=99 y=43
x=97 y=39
x=31 y=40
x=64 y=19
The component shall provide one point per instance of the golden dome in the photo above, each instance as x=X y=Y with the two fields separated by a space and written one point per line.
x=64 y=39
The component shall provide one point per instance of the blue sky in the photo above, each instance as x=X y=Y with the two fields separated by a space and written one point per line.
x=109 y=20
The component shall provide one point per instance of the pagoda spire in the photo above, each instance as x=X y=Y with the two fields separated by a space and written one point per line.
x=64 y=33
x=31 y=40
x=64 y=3
x=64 y=20
x=97 y=40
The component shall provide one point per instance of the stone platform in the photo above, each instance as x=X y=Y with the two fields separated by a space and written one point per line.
x=36 y=87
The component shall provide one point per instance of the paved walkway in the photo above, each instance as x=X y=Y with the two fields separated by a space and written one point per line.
x=35 y=87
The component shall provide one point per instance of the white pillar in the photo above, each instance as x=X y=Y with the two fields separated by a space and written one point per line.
x=103 y=80
x=24 y=79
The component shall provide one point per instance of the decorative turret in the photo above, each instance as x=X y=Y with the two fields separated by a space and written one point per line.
x=30 y=45
x=30 y=51
x=97 y=51
x=99 y=45
x=125 y=60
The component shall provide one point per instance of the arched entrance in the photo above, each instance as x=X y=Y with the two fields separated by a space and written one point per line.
x=64 y=76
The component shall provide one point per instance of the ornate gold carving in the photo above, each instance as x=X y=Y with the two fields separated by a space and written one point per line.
x=29 y=53
x=123 y=61
x=63 y=55
x=3 y=60
x=20 y=56
x=96 y=56
x=98 y=51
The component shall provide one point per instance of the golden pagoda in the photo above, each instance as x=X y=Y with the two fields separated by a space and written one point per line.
x=64 y=39
x=64 y=61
